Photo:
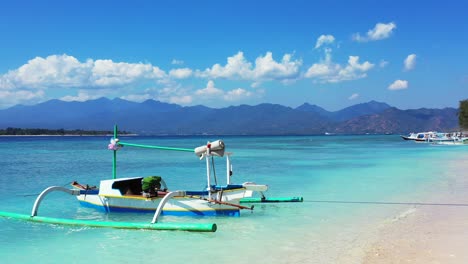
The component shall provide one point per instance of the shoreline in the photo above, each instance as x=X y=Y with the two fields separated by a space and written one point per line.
x=67 y=135
x=432 y=233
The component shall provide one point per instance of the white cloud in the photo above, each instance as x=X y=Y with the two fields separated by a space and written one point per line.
x=324 y=39
x=266 y=68
x=318 y=69
x=398 y=85
x=181 y=73
x=177 y=62
x=63 y=71
x=172 y=93
x=380 y=31
x=237 y=67
x=354 y=70
x=237 y=94
x=137 y=97
x=184 y=99
x=327 y=71
x=212 y=92
x=81 y=97
x=55 y=70
x=410 y=62
x=178 y=94
x=10 y=98
x=383 y=63
x=353 y=96
x=209 y=90
x=91 y=79
x=324 y=68
x=107 y=73
x=6 y=83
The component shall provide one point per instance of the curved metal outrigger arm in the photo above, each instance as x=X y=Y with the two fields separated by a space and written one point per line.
x=48 y=190
x=163 y=202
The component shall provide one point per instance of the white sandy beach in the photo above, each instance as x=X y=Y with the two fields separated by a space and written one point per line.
x=427 y=233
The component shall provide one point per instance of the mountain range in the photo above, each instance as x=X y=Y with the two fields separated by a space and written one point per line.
x=158 y=118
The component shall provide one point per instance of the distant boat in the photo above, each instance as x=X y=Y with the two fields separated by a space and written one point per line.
x=456 y=138
x=449 y=139
x=410 y=136
x=419 y=137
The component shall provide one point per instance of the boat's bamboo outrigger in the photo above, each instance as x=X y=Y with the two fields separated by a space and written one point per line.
x=131 y=194
x=198 y=227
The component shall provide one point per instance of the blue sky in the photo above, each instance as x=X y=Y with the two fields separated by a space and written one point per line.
x=334 y=54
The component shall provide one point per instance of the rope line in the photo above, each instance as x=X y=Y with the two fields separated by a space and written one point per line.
x=387 y=203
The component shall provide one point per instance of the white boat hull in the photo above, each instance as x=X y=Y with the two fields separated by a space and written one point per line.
x=187 y=205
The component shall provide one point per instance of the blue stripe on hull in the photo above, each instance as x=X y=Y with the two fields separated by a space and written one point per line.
x=164 y=212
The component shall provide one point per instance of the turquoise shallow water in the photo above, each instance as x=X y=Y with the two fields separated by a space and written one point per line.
x=343 y=179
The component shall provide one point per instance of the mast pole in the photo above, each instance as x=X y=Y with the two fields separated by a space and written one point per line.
x=208 y=173
x=114 y=160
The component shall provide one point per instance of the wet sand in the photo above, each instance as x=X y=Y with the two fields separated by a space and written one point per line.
x=436 y=232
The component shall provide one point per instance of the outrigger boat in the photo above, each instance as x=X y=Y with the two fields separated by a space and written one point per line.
x=145 y=194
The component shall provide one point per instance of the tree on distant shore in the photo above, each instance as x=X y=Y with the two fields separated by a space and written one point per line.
x=463 y=115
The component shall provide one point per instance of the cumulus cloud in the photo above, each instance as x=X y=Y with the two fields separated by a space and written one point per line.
x=90 y=79
x=55 y=70
x=324 y=39
x=209 y=90
x=212 y=92
x=107 y=73
x=181 y=73
x=237 y=67
x=353 y=96
x=398 y=85
x=380 y=31
x=266 y=68
x=64 y=71
x=93 y=78
x=328 y=71
x=237 y=94
x=11 y=97
x=410 y=62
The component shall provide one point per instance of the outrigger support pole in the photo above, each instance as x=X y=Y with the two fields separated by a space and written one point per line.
x=198 y=227
x=48 y=190
x=163 y=202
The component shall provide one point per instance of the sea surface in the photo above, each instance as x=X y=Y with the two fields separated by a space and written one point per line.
x=350 y=185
